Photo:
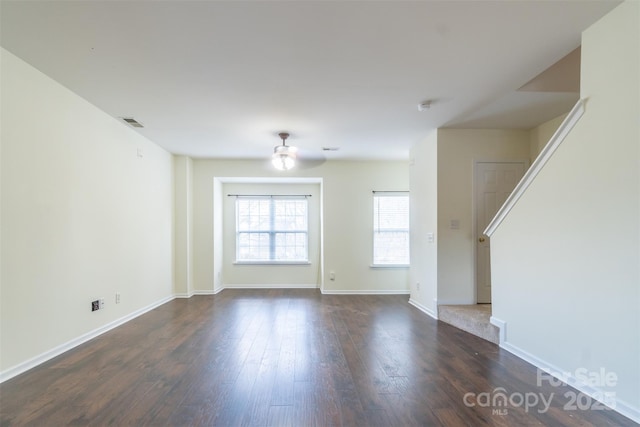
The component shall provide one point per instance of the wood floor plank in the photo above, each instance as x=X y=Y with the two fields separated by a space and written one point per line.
x=280 y=416
x=284 y=357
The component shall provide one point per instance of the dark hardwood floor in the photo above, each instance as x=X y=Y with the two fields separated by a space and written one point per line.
x=285 y=358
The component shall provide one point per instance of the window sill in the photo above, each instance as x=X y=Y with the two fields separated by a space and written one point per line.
x=390 y=266
x=271 y=263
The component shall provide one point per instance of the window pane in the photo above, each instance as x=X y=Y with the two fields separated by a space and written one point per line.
x=391 y=212
x=391 y=229
x=252 y=215
x=291 y=247
x=271 y=229
x=290 y=215
x=391 y=247
x=253 y=246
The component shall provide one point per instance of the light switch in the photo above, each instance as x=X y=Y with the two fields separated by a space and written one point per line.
x=430 y=238
x=455 y=224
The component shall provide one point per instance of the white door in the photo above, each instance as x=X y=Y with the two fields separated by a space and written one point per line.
x=494 y=182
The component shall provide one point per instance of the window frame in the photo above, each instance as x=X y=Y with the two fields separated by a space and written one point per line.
x=375 y=263
x=272 y=232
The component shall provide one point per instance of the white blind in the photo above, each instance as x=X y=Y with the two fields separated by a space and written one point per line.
x=391 y=228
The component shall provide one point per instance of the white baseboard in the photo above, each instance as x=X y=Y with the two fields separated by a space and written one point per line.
x=183 y=295
x=272 y=286
x=622 y=407
x=423 y=308
x=364 y=292
x=304 y=286
x=207 y=291
x=58 y=350
x=198 y=292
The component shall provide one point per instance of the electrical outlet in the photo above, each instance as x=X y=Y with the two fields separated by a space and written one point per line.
x=117 y=297
x=95 y=305
x=417 y=286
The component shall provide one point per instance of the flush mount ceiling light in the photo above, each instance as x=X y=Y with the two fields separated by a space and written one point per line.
x=284 y=156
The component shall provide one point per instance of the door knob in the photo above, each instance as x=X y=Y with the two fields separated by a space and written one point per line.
x=481 y=239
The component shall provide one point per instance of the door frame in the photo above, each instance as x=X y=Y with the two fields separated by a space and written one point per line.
x=474 y=231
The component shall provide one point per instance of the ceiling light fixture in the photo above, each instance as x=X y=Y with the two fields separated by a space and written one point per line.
x=284 y=156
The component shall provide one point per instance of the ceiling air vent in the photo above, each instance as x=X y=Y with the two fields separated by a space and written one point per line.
x=132 y=122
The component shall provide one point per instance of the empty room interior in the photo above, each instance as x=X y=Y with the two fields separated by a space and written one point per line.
x=320 y=213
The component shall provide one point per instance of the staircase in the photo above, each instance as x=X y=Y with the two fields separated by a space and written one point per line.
x=470 y=318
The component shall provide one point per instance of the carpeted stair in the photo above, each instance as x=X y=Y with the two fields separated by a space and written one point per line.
x=470 y=318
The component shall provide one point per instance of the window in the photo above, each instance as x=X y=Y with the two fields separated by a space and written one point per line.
x=390 y=228
x=271 y=229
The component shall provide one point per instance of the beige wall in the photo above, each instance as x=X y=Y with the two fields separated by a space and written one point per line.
x=83 y=217
x=566 y=259
x=347 y=220
x=442 y=191
x=540 y=135
x=458 y=149
x=424 y=224
x=183 y=226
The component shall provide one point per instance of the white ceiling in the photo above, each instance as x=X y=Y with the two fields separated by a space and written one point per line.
x=222 y=78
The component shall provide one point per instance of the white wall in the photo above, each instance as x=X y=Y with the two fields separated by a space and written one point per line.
x=83 y=217
x=239 y=275
x=566 y=259
x=424 y=220
x=458 y=149
x=347 y=219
